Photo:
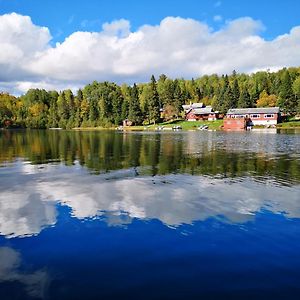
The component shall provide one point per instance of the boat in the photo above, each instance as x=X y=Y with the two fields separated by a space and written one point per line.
x=176 y=127
x=202 y=127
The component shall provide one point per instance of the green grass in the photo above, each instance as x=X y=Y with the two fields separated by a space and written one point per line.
x=289 y=124
x=186 y=125
x=192 y=125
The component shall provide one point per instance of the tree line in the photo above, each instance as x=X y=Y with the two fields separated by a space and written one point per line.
x=107 y=103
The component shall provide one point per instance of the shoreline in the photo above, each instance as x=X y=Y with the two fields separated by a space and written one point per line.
x=169 y=126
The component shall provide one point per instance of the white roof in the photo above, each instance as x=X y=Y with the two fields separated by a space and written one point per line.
x=248 y=111
x=187 y=107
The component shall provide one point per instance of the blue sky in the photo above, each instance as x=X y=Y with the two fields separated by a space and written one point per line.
x=67 y=44
x=66 y=16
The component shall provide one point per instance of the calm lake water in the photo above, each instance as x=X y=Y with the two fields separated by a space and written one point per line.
x=183 y=215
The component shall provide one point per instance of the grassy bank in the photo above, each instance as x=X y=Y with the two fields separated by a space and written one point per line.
x=185 y=125
x=289 y=124
x=190 y=125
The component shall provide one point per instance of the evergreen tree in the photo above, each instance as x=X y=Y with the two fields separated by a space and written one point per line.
x=125 y=109
x=255 y=95
x=153 y=102
x=77 y=102
x=69 y=98
x=52 y=112
x=53 y=117
x=235 y=92
x=135 y=114
x=244 y=99
x=93 y=112
x=178 y=99
x=63 y=110
x=165 y=92
x=117 y=102
x=228 y=100
x=287 y=99
x=219 y=103
x=84 y=110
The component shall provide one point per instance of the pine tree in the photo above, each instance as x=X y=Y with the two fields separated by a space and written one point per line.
x=255 y=95
x=94 y=110
x=52 y=112
x=244 y=99
x=178 y=99
x=153 y=102
x=125 y=109
x=117 y=101
x=228 y=100
x=235 y=92
x=63 y=110
x=218 y=104
x=287 y=99
x=78 y=100
x=135 y=114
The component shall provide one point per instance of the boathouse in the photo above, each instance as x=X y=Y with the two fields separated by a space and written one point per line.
x=266 y=116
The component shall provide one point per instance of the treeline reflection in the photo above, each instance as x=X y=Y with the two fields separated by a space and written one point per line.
x=213 y=154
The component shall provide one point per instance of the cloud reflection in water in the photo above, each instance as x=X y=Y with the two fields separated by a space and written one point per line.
x=27 y=205
x=35 y=282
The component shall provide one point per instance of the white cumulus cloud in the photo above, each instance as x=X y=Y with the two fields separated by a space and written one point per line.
x=177 y=47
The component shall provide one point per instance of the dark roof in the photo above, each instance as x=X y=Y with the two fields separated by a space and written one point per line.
x=247 y=111
x=188 y=107
x=203 y=111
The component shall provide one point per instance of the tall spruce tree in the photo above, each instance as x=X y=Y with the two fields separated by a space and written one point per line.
x=178 y=99
x=63 y=110
x=287 y=99
x=235 y=92
x=153 y=102
x=254 y=95
x=78 y=100
x=117 y=101
x=135 y=113
x=244 y=99
x=218 y=103
x=228 y=100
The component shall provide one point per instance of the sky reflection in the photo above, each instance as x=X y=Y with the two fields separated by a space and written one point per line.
x=35 y=283
x=28 y=204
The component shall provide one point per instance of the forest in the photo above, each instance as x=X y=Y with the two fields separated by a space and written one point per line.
x=107 y=104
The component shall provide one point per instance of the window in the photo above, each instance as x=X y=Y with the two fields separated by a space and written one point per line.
x=268 y=116
x=254 y=116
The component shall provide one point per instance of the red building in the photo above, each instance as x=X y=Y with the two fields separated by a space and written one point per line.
x=255 y=116
x=234 y=124
x=198 y=111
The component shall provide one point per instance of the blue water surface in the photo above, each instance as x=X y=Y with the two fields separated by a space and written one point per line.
x=69 y=231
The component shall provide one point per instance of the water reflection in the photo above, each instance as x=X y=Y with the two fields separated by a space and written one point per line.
x=197 y=153
x=35 y=283
x=96 y=212
x=28 y=205
x=238 y=174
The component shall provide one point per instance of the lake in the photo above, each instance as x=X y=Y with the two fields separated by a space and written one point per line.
x=145 y=215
